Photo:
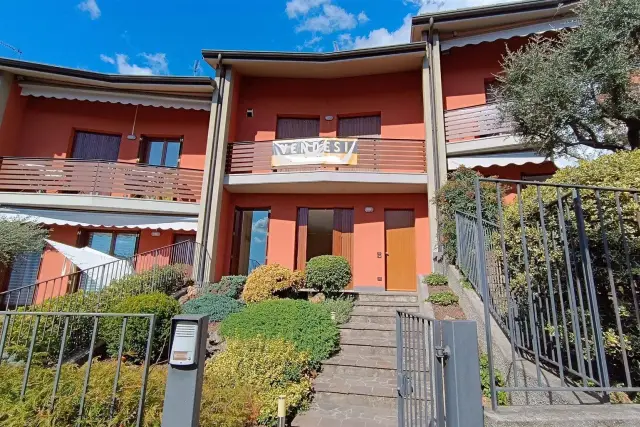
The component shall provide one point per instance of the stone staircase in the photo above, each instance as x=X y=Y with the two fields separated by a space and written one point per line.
x=357 y=387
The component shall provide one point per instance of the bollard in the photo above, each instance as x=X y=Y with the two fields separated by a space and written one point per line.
x=282 y=411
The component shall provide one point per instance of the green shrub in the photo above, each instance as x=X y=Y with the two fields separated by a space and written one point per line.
x=265 y=282
x=308 y=326
x=328 y=273
x=33 y=409
x=229 y=286
x=18 y=237
x=485 y=381
x=136 y=337
x=443 y=298
x=298 y=280
x=436 y=279
x=218 y=307
x=228 y=405
x=458 y=194
x=341 y=307
x=272 y=367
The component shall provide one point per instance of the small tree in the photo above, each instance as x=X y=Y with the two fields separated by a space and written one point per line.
x=18 y=237
x=581 y=88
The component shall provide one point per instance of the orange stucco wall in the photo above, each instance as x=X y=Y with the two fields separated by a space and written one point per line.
x=369 y=233
x=396 y=97
x=45 y=127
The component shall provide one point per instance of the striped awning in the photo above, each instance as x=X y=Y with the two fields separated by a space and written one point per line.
x=503 y=159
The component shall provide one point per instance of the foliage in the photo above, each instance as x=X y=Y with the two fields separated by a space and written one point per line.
x=581 y=87
x=228 y=405
x=485 y=381
x=341 y=307
x=328 y=273
x=308 y=326
x=622 y=170
x=459 y=195
x=298 y=280
x=265 y=282
x=272 y=367
x=218 y=307
x=436 y=279
x=443 y=298
x=136 y=337
x=33 y=409
x=19 y=237
x=229 y=286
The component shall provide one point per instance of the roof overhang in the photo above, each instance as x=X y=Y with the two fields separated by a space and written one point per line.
x=503 y=159
x=51 y=74
x=358 y=62
x=101 y=219
x=477 y=18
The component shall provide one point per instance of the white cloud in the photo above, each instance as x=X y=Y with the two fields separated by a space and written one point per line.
x=157 y=62
x=362 y=17
x=260 y=226
x=259 y=239
x=309 y=43
x=107 y=59
x=296 y=8
x=331 y=18
x=91 y=7
x=434 y=5
x=378 y=37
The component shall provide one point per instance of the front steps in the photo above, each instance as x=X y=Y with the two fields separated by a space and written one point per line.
x=358 y=386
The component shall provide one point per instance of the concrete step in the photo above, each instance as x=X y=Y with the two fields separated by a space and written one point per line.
x=362 y=333
x=357 y=390
x=368 y=326
x=367 y=347
x=325 y=412
x=366 y=366
x=384 y=307
x=388 y=296
x=378 y=318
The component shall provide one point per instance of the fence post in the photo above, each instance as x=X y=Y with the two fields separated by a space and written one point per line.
x=458 y=252
x=462 y=374
x=183 y=391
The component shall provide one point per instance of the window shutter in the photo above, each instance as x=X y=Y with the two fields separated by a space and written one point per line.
x=24 y=272
x=301 y=239
x=363 y=126
x=297 y=128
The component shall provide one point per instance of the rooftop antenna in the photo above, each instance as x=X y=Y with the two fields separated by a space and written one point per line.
x=196 y=67
x=336 y=46
x=13 y=48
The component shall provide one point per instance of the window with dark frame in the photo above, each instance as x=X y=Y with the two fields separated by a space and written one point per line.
x=363 y=126
x=114 y=243
x=250 y=238
x=161 y=151
x=296 y=127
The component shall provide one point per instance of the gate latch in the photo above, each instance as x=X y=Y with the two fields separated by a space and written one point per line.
x=442 y=352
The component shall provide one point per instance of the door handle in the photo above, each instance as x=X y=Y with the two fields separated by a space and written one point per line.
x=386 y=253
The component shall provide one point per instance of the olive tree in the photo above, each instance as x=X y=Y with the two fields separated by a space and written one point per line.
x=579 y=88
x=18 y=237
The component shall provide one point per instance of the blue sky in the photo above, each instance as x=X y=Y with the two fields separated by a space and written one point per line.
x=166 y=37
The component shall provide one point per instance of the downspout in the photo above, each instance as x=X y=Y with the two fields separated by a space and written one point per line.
x=213 y=161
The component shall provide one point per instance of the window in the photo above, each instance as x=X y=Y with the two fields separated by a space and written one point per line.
x=119 y=245
x=183 y=249
x=249 y=247
x=24 y=272
x=363 y=126
x=161 y=152
x=297 y=128
x=96 y=146
x=490 y=86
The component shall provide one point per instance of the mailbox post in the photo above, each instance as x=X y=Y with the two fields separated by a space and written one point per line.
x=187 y=351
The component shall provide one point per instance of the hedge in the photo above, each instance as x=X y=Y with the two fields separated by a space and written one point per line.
x=229 y=286
x=340 y=307
x=265 y=282
x=308 y=326
x=217 y=307
x=328 y=273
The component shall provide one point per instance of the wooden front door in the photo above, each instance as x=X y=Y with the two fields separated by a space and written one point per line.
x=400 y=242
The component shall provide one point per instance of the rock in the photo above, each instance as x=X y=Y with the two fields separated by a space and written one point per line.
x=191 y=293
x=215 y=343
x=317 y=299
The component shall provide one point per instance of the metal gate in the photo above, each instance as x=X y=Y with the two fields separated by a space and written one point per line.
x=438 y=372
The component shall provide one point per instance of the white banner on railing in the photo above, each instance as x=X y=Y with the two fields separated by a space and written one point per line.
x=315 y=151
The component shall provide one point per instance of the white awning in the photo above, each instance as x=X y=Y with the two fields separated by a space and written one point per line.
x=83 y=258
x=96 y=95
x=101 y=219
x=503 y=159
x=527 y=30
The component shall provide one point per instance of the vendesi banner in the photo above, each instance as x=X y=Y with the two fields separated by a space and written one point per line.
x=315 y=151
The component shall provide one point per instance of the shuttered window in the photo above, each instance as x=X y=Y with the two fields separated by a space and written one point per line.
x=289 y=127
x=24 y=272
x=364 y=126
x=96 y=146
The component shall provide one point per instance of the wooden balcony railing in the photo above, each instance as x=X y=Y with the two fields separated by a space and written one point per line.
x=474 y=122
x=73 y=176
x=374 y=155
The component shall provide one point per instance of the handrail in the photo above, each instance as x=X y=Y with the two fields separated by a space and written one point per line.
x=359 y=138
x=73 y=159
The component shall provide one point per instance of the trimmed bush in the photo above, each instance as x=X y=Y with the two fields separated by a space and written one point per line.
x=271 y=367
x=443 y=298
x=135 y=342
x=265 y=282
x=229 y=286
x=436 y=279
x=218 y=307
x=328 y=273
x=33 y=409
x=308 y=326
x=298 y=280
x=341 y=307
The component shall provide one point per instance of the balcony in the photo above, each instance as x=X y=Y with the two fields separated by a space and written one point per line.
x=383 y=165
x=479 y=121
x=99 y=178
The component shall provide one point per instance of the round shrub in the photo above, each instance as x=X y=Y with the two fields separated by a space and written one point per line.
x=265 y=282
x=229 y=286
x=270 y=367
x=218 y=307
x=328 y=273
x=136 y=336
x=308 y=326
x=436 y=279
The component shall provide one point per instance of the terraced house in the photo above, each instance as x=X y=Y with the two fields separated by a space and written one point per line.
x=283 y=157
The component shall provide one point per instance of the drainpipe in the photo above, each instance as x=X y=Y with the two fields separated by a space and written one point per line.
x=212 y=167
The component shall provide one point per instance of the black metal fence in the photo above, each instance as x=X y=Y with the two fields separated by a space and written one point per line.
x=559 y=267
x=189 y=254
x=51 y=364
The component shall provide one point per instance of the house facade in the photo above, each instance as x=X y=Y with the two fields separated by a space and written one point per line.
x=283 y=157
